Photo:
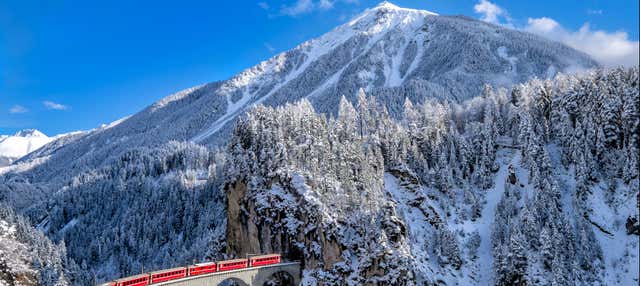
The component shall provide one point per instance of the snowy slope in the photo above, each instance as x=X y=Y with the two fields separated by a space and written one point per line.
x=477 y=270
x=27 y=257
x=20 y=144
x=621 y=251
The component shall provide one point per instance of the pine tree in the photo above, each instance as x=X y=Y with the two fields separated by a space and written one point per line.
x=529 y=228
x=546 y=248
x=518 y=258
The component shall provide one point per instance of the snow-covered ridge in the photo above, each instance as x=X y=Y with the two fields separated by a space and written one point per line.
x=29 y=133
x=371 y=22
x=171 y=98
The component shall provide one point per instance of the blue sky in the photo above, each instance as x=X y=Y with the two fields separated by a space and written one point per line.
x=73 y=65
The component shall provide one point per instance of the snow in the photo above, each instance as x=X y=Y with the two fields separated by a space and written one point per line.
x=12 y=253
x=30 y=133
x=325 y=85
x=232 y=112
x=242 y=81
x=392 y=73
x=299 y=184
x=420 y=230
x=484 y=224
x=22 y=167
x=416 y=224
x=69 y=225
x=502 y=52
x=22 y=143
x=566 y=181
x=102 y=127
x=7 y=230
x=174 y=97
x=621 y=251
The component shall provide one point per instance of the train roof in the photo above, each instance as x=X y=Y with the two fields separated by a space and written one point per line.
x=232 y=260
x=132 y=277
x=168 y=270
x=265 y=256
x=205 y=263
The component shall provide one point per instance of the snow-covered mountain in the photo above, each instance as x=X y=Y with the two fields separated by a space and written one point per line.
x=391 y=52
x=20 y=144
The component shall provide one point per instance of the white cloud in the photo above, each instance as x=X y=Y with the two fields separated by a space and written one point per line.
x=542 y=25
x=54 y=106
x=325 y=4
x=263 y=5
x=609 y=49
x=18 y=109
x=269 y=47
x=300 y=7
x=490 y=12
x=306 y=6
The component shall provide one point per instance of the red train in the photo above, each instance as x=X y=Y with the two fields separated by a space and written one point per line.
x=195 y=270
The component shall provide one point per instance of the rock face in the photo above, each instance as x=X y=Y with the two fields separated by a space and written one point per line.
x=298 y=230
x=249 y=231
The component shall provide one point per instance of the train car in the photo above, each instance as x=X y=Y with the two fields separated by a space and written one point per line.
x=168 y=274
x=137 y=280
x=262 y=260
x=108 y=284
x=233 y=264
x=203 y=268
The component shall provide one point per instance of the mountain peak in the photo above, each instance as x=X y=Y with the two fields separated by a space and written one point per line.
x=388 y=5
x=22 y=143
x=30 y=133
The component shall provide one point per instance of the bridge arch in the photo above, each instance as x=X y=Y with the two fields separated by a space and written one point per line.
x=233 y=281
x=274 y=276
x=280 y=278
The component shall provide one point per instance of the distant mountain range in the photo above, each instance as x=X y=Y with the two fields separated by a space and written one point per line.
x=15 y=146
